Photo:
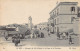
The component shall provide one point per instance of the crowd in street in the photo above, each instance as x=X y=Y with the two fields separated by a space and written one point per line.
x=16 y=38
x=65 y=36
x=60 y=36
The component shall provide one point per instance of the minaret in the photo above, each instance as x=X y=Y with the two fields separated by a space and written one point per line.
x=30 y=22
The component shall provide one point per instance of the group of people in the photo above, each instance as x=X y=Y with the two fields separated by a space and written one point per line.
x=37 y=35
x=16 y=39
x=65 y=35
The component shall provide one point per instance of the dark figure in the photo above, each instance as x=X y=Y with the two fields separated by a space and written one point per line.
x=33 y=35
x=42 y=35
x=6 y=37
x=64 y=35
x=67 y=34
x=22 y=36
x=70 y=40
x=40 y=28
x=49 y=33
x=58 y=35
x=13 y=38
x=16 y=40
x=38 y=35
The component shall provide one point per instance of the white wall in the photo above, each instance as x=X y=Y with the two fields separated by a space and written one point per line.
x=76 y=26
x=66 y=9
x=66 y=18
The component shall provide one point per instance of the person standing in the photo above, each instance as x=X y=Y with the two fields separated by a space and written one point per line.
x=16 y=40
x=67 y=34
x=49 y=34
x=42 y=35
x=58 y=35
x=64 y=35
x=6 y=35
x=38 y=35
x=13 y=37
x=70 y=40
x=35 y=35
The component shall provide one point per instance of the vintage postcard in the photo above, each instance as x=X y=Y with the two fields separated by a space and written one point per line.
x=39 y=25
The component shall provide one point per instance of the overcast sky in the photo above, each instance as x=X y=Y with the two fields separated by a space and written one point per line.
x=18 y=11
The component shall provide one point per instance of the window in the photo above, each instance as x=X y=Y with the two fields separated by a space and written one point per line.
x=53 y=13
x=78 y=11
x=52 y=24
x=73 y=9
x=55 y=21
x=57 y=11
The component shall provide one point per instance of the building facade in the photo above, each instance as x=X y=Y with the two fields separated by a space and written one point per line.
x=51 y=25
x=42 y=26
x=63 y=15
x=76 y=24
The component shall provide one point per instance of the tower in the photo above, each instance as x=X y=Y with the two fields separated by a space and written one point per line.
x=30 y=22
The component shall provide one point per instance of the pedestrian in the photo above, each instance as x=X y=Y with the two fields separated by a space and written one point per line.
x=70 y=40
x=31 y=35
x=42 y=35
x=13 y=37
x=64 y=35
x=49 y=34
x=16 y=40
x=6 y=37
x=67 y=34
x=58 y=35
x=61 y=37
x=38 y=35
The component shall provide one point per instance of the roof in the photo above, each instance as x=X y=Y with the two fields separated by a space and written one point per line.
x=10 y=29
x=65 y=3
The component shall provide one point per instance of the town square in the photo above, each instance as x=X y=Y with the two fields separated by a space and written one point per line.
x=60 y=29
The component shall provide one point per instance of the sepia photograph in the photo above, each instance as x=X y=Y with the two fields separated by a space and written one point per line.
x=39 y=23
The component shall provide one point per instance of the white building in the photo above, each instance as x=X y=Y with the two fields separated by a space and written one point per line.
x=76 y=25
x=63 y=15
x=51 y=25
x=42 y=26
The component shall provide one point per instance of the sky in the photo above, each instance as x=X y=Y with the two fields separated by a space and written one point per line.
x=18 y=11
